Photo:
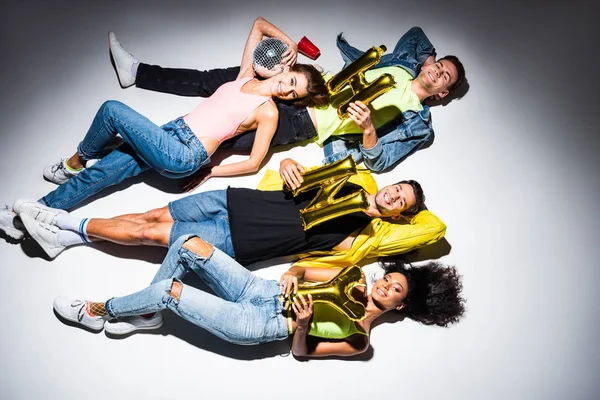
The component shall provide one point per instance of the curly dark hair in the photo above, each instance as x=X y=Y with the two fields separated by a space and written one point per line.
x=318 y=95
x=434 y=291
x=419 y=197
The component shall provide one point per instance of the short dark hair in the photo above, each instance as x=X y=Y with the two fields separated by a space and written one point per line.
x=419 y=196
x=318 y=95
x=434 y=291
x=460 y=70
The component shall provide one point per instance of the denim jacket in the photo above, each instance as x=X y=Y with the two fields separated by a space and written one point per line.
x=404 y=135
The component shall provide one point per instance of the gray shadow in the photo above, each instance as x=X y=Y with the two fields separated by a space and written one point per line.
x=433 y=251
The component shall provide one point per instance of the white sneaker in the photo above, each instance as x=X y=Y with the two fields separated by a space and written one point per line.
x=7 y=223
x=123 y=326
x=45 y=235
x=59 y=173
x=37 y=211
x=75 y=311
x=123 y=61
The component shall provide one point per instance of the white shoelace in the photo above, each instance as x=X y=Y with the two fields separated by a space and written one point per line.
x=81 y=311
x=58 y=166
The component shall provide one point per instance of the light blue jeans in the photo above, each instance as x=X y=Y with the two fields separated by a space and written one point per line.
x=205 y=215
x=245 y=310
x=172 y=149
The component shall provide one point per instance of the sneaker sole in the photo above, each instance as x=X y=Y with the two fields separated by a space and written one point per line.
x=145 y=328
x=29 y=223
x=76 y=324
x=125 y=78
x=13 y=233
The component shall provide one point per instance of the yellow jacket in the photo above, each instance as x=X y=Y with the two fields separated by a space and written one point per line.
x=382 y=237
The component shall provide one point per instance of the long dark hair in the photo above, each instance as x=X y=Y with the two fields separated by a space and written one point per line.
x=434 y=291
x=318 y=95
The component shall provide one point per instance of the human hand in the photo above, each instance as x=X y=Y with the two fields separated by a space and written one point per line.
x=360 y=114
x=193 y=181
x=291 y=172
x=290 y=56
x=303 y=310
x=288 y=282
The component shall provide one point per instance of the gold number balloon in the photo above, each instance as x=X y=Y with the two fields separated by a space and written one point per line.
x=354 y=76
x=330 y=179
x=337 y=292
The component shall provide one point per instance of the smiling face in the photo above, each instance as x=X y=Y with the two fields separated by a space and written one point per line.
x=390 y=291
x=437 y=77
x=392 y=200
x=289 y=85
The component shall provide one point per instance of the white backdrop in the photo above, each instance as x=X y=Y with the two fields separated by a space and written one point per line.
x=512 y=172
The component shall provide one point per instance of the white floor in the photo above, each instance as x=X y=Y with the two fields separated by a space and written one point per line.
x=513 y=173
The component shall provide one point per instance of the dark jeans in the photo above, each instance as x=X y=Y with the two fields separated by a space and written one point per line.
x=294 y=123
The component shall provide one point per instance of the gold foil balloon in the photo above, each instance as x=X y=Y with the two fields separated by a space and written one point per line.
x=330 y=179
x=354 y=77
x=337 y=292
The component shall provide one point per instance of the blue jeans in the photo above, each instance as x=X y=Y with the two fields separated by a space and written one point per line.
x=400 y=137
x=336 y=148
x=245 y=310
x=204 y=215
x=172 y=149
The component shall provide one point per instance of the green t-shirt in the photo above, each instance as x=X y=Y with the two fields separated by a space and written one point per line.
x=329 y=323
x=383 y=109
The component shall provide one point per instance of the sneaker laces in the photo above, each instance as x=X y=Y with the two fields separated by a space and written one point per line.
x=8 y=211
x=48 y=227
x=81 y=311
x=58 y=166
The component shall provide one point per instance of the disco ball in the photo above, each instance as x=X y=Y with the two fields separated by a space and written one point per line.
x=266 y=58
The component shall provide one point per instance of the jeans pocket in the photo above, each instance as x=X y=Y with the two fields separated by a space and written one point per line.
x=302 y=126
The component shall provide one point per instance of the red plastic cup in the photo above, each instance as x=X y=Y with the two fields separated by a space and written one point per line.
x=307 y=48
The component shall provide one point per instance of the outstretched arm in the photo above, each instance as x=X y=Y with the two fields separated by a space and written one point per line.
x=261 y=28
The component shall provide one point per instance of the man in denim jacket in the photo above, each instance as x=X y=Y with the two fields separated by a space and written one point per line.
x=380 y=150
x=413 y=129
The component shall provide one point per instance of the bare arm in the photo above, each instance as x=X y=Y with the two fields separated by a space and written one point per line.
x=261 y=28
x=302 y=346
x=314 y=274
x=312 y=347
x=267 y=124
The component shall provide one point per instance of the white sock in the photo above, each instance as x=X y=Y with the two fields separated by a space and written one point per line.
x=134 y=69
x=69 y=238
x=75 y=224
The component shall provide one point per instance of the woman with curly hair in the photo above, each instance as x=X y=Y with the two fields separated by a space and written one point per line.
x=246 y=309
x=434 y=291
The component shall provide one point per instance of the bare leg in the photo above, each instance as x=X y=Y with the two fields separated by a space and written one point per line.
x=156 y=215
x=76 y=162
x=150 y=228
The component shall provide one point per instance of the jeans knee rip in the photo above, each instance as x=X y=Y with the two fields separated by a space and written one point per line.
x=175 y=297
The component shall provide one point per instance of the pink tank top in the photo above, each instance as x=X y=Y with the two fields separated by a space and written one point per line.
x=221 y=114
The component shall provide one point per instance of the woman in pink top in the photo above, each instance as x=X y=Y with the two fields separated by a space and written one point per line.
x=181 y=147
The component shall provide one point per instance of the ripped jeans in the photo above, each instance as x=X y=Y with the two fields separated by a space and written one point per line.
x=245 y=308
